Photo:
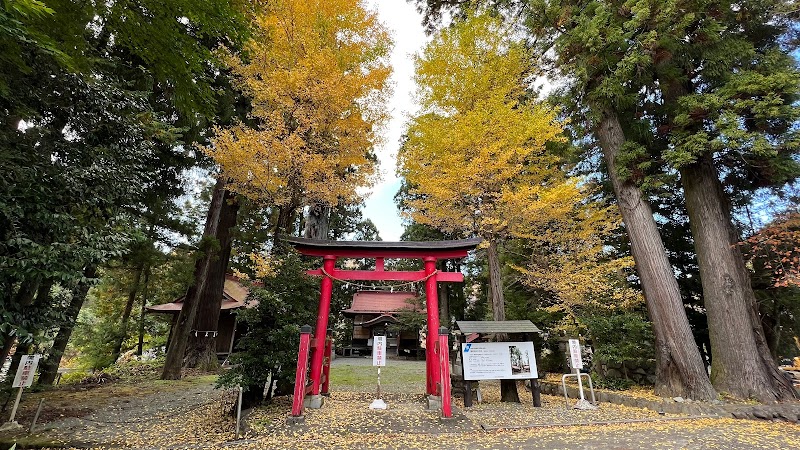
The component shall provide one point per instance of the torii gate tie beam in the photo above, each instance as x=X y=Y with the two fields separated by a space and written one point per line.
x=429 y=252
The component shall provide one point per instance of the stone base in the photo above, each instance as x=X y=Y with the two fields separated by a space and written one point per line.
x=584 y=405
x=314 y=401
x=378 y=403
x=296 y=420
x=433 y=403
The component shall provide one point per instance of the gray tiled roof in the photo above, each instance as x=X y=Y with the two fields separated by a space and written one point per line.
x=491 y=326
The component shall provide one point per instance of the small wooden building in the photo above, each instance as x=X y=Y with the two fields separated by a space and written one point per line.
x=373 y=311
x=234 y=295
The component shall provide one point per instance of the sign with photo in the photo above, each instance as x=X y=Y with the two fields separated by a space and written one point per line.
x=499 y=361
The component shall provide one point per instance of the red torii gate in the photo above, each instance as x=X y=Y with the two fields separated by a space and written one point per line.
x=330 y=251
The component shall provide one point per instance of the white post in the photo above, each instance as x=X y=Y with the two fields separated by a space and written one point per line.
x=580 y=383
x=379 y=382
x=238 y=412
x=16 y=405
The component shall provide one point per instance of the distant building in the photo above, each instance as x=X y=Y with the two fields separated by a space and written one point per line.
x=375 y=311
x=234 y=295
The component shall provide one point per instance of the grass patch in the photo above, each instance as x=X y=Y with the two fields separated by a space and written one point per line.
x=396 y=376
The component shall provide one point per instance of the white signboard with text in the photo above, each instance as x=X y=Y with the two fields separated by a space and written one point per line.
x=379 y=351
x=575 y=354
x=26 y=371
x=499 y=361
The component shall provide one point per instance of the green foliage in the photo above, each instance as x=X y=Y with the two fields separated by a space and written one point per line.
x=286 y=302
x=412 y=317
x=621 y=336
x=612 y=383
x=98 y=326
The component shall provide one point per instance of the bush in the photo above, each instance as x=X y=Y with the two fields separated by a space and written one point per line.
x=286 y=301
x=610 y=383
x=620 y=336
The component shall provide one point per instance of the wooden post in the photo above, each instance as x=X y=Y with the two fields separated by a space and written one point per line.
x=444 y=364
x=536 y=392
x=302 y=367
x=36 y=416
x=238 y=412
x=16 y=405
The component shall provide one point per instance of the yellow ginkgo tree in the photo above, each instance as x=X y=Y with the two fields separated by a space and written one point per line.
x=475 y=157
x=477 y=160
x=316 y=73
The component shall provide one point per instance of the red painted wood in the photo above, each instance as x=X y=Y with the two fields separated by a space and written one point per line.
x=326 y=365
x=379 y=264
x=326 y=289
x=372 y=275
x=300 y=375
x=432 y=306
x=444 y=367
x=383 y=253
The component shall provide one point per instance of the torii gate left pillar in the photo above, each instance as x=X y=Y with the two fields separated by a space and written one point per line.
x=428 y=252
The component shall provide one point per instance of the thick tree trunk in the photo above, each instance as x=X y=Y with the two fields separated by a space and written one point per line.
x=495 y=282
x=202 y=352
x=317 y=222
x=284 y=223
x=742 y=365
x=126 y=313
x=49 y=367
x=508 y=388
x=143 y=310
x=444 y=307
x=679 y=367
x=186 y=317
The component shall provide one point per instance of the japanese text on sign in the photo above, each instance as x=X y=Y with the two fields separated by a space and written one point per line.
x=499 y=361
x=575 y=354
x=26 y=371
x=379 y=351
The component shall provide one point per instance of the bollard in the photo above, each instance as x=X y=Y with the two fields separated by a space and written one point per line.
x=444 y=366
x=302 y=368
x=36 y=416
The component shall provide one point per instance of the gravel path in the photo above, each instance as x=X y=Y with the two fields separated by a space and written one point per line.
x=191 y=415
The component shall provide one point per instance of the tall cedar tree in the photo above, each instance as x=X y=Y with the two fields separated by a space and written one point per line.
x=722 y=90
x=716 y=83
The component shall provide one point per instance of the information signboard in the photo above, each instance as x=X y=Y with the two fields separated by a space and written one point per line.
x=499 y=361
x=575 y=354
x=379 y=351
x=26 y=371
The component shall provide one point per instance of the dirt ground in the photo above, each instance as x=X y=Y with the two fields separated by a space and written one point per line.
x=191 y=414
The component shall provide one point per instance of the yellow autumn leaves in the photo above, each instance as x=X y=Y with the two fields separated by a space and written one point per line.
x=477 y=158
x=316 y=74
x=478 y=161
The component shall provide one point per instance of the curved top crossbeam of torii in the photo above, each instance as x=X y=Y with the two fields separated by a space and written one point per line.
x=437 y=364
x=380 y=250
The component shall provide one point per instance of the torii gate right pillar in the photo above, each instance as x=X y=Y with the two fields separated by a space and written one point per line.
x=433 y=376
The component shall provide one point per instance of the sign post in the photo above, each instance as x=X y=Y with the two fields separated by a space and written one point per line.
x=23 y=379
x=577 y=364
x=378 y=360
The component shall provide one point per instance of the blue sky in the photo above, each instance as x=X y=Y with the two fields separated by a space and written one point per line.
x=409 y=37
